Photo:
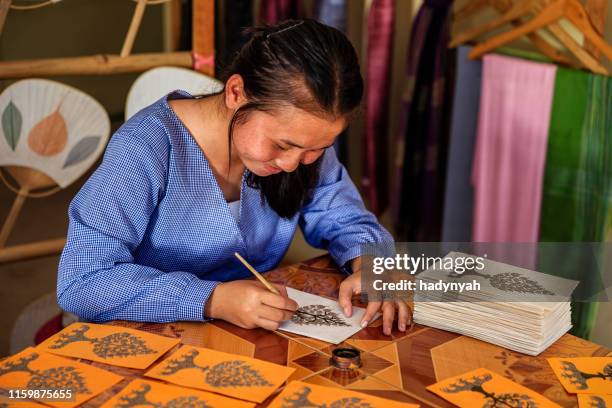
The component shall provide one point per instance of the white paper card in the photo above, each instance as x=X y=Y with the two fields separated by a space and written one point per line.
x=322 y=318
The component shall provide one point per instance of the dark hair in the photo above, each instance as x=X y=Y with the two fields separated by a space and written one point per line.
x=305 y=64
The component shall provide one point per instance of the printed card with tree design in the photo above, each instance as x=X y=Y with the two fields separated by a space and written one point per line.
x=230 y=374
x=300 y=394
x=32 y=369
x=114 y=345
x=498 y=281
x=594 y=401
x=584 y=375
x=487 y=389
x=143 y=393
x=322 y=318
x=7 y=402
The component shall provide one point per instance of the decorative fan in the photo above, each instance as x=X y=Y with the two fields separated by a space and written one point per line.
x=50 y=135
x=51 y=127
x=157 y=82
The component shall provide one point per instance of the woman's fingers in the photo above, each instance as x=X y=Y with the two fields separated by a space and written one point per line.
x=344 y=296
x=277 y=301
x=274 y=314
x=267 y=324
x=388 y=314
x=371 y=310
x=404 y=315
x=281 y=289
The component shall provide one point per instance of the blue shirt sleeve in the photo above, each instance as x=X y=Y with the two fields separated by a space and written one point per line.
x=98 y=278
x=336 y=219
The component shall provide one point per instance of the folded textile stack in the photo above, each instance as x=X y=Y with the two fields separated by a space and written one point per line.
x=512 y=307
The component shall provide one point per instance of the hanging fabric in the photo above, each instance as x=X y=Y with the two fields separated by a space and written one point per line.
x=515 y=105
x=333 y=13
x=275 y=11
x=417 y=193
x=378 y=81
x=577 y=185
x=459 y=193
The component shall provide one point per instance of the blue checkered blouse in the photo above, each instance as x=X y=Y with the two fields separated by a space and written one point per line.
x=151 y=234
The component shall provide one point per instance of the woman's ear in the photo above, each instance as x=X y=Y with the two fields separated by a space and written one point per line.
x=234 y=92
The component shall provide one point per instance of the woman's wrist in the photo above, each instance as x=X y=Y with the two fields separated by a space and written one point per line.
x=212 y=305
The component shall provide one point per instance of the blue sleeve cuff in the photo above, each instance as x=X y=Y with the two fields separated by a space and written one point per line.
x=344 y=259
x=194 y=298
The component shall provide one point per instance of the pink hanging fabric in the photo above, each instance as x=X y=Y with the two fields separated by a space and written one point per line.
x=378 y=76
x=508 y=170
x=275 y=11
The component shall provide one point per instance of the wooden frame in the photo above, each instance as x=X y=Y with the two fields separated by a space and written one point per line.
x=30 y=179
x=104 y=64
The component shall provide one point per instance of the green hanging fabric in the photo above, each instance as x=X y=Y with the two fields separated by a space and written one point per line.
x=577 y=182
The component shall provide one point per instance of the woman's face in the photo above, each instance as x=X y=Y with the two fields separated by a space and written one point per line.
x=268 y=143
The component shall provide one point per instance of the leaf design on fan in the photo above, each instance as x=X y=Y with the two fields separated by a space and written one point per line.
x=49 y=136
x=11 y=124
x=82 y=150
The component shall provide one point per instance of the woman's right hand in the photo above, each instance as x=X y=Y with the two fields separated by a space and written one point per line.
x=249 y=304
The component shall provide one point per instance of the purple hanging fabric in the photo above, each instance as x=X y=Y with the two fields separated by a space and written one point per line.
x=274 y=11
x=420 y=167
x=508 y=174
x=378 y=76
x=459 y=193
x=333 y=13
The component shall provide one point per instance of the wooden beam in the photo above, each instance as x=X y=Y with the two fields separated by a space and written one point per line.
x=172 y=25
x=5 y=5
x=597 y=11
x=30 y=251
x=92 y=65
x=128 y=43
x=203 y=36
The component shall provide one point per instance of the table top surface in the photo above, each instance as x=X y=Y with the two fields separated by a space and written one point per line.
x=398 y=367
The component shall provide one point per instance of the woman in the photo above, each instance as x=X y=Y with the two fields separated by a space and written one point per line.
x=188 y=181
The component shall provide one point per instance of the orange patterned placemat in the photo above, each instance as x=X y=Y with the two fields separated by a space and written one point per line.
x=230 y=374
x=112 y=345
x=38 y=371
x=584 y=375
x=485 y=388
x=301 y=394
x=158 y=395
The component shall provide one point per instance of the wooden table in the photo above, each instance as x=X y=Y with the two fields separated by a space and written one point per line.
x=399 y=366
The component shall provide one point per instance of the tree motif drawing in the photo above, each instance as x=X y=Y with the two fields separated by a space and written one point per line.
x=231 y=373
x=580 y=378
x=492 y=400
x=300 y=400
x=138 y=397
x=63 y=377
x=597 y=402
x=317 y=315
x=120 y=344
x=510 y=282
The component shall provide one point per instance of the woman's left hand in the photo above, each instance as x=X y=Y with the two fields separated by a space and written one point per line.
x=352 y=286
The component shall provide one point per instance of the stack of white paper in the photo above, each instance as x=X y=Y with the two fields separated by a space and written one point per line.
x=516 y=308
